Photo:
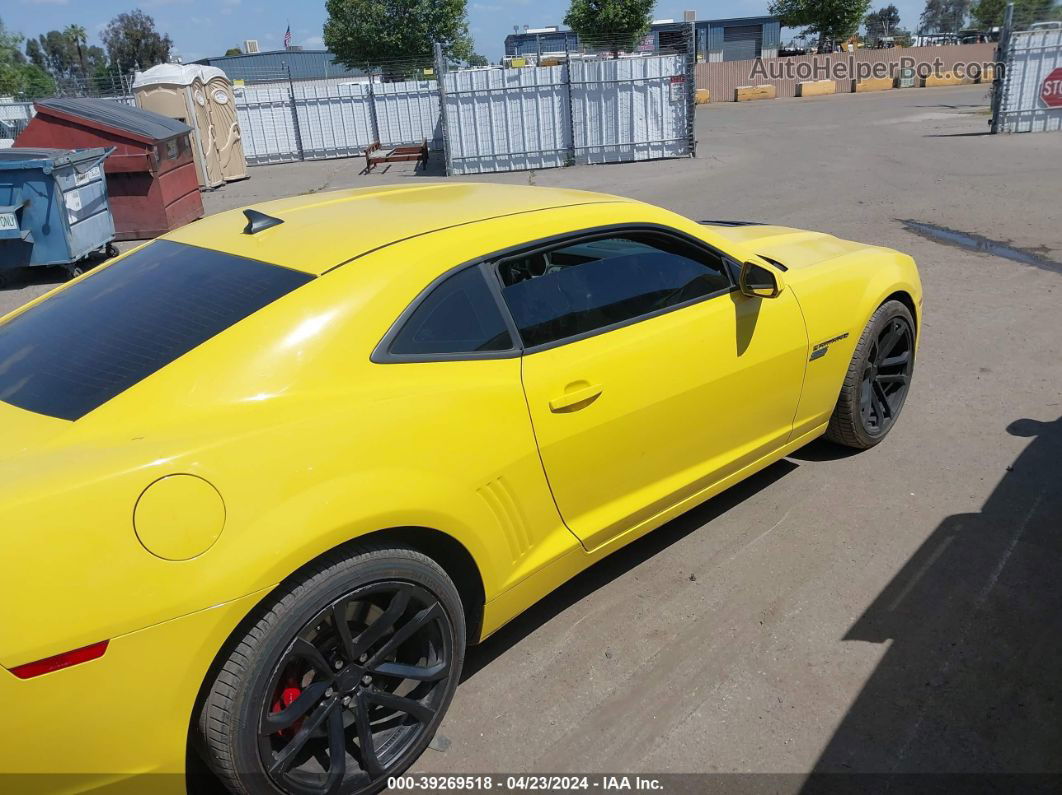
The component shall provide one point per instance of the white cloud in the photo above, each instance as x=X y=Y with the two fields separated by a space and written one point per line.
x=314 y=41
x=48 y=2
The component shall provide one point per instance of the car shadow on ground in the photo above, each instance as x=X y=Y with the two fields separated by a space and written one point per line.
x=617 y=564
x=971 y=681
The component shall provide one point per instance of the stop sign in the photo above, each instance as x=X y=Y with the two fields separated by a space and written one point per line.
x=1051 y=90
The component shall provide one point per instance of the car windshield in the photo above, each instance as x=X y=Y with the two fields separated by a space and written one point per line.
x=82 y=346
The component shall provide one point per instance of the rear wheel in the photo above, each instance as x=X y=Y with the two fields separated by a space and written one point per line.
x=877 y=381
x=342 y=682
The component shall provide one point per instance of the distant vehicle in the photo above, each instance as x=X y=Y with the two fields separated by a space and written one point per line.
x=1052 y=25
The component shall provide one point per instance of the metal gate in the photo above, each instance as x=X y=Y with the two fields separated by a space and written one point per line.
x=632 y=109
x=407 y=112
x=588 y=110
x=506 y=119
x=1030 y=98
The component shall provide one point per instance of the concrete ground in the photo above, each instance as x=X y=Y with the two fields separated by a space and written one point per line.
x=898 y=610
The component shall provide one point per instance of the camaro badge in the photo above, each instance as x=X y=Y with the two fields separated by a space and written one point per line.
x=821 y=348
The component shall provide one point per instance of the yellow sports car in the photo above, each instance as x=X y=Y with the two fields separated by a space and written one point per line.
x=263 y=479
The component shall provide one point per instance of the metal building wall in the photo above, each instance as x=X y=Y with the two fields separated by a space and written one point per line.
x=303 y=65
x=1031 y=56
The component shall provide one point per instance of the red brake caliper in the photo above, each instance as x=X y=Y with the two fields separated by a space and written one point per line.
x=285 y=697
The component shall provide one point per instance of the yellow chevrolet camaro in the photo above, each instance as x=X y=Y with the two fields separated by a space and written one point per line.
x=263 y=479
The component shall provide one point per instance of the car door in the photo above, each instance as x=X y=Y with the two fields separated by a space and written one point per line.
x=648 y=376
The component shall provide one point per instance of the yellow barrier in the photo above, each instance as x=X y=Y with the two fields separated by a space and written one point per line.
x=945 y=79
x=702 y=96
x=872 y=84
x=815 y=88
x=749 y=93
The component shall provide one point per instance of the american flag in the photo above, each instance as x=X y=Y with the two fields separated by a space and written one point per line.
x=287 y=37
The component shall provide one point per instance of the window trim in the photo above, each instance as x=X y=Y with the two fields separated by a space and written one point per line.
x=488 y=266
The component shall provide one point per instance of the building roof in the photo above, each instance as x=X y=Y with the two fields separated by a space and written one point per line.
x=327 y=229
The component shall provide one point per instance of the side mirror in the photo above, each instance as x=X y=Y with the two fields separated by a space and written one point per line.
x=755 y=281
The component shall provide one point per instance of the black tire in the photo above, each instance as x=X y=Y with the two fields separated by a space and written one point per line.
x=73 y=271
x=247 y=721
x=878 y=379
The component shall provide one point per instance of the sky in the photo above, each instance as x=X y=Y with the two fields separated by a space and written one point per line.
x=201 y=28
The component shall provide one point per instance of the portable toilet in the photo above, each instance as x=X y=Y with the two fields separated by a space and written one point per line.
x=200 y=96
x=151 y=177
x=222 y=103
x=178 y=91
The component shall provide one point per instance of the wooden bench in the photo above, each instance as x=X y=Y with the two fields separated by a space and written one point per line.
x=396 y=154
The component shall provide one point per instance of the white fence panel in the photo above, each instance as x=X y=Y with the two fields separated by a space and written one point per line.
x=507 y=119
x=1031 y=58
x=408 y=112
x=630 y=109
x=334 y=120
x=267 y=128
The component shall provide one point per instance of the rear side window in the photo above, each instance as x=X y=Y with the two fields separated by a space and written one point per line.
x=76 y=350
x=459 y=315
x=592 y=284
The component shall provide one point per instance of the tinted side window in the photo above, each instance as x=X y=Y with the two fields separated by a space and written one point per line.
x=592 y=284
x=459 y=316
x=95 y=339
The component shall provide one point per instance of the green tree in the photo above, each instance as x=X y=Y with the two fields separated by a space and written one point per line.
x=132 y=42
x=233 y=51
x=989 y=13
x=17 y=77
x=831 y=20
x=36 y=54
x=475 y=59
x=944 y=16
x=370 y=34
x=75 y=34
x=882 y=23
x=35 y=83
x=614 y=25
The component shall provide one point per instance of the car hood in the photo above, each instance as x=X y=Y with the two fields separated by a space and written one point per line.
x=793 y=248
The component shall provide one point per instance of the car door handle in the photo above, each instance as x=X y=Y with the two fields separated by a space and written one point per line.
x=576 y=398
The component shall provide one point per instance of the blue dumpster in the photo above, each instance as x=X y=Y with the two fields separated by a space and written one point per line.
x=53 y=207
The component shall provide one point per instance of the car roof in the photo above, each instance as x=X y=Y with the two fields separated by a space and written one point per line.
x=324 y=230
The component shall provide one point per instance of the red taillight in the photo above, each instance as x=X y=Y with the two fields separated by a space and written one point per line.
x=64 y=660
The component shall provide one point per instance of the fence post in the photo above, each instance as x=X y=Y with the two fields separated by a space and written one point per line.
x=999 y=74
x=294 y=113
x=440 y=70
x=571 y=105
x=691 y=89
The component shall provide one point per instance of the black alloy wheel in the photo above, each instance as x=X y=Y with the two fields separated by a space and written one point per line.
x=877 y=380
x=355 y=689
x=341 y=680
x=886 y=377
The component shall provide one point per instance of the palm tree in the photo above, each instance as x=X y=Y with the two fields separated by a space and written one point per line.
x=75 y=34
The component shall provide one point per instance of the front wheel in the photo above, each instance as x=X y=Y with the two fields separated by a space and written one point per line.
x=876 y=384
x=342 y=681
